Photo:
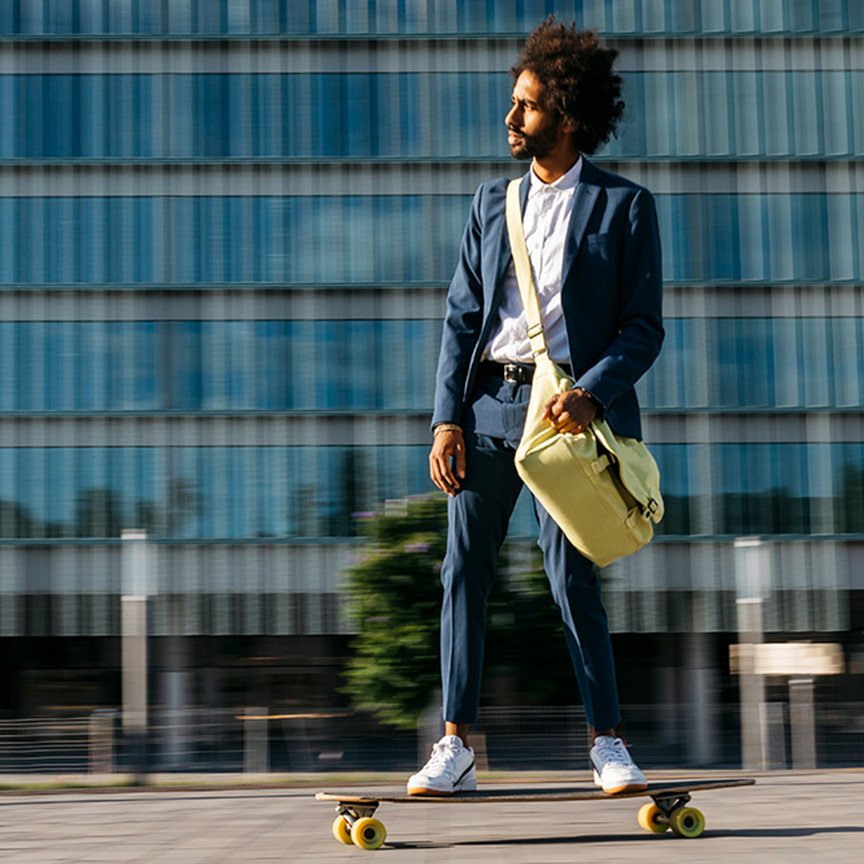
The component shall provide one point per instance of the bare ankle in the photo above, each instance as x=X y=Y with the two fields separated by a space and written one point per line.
x=460 y=730
x=599 y=733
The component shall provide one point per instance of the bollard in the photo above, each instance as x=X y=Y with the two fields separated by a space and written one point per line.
x=752 y=581
x=136 y=580
x=256 y=757
x=102 y=741
x=802 y=723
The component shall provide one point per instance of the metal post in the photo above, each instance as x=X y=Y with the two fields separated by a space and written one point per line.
x=133 y=649
x=175 y=687
x=802 y=722
x=175 y=741
x=256 y=757
x=751 y=570
x=102 y=741
x=701 y=710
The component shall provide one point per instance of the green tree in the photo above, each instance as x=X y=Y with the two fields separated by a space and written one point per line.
x=395 y=596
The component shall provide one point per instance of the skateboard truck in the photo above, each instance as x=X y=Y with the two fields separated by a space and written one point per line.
x=672 y=812
x=355 y=825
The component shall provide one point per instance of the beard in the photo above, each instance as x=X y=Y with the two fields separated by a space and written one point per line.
x=534 y=146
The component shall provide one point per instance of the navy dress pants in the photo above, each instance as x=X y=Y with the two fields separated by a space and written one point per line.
x=478 y=518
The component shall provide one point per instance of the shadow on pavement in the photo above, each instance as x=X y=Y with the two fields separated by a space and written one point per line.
x=800 y=831
x=753 y=833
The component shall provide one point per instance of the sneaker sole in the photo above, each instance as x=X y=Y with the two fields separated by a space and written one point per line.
x=422 y=791
x=628 y=787
x=617 y=790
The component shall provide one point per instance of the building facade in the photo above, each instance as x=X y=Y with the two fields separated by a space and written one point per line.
x=228 y=229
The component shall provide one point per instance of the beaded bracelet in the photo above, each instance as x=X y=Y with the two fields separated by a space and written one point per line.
x=446 y=427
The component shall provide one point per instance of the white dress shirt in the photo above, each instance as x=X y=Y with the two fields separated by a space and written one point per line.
x=545 y=222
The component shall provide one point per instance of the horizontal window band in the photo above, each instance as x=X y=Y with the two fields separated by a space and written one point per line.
x=482 y=51
x=250 y=303
x=223 y=493
x=783 y=414
x=241 y=290
x=782 y=110
x=818 y=426
x=351 y=543
x=763 y=238
x=387 y=178
x=616 y=164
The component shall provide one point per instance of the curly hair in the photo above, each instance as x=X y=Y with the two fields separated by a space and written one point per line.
x=578 y=81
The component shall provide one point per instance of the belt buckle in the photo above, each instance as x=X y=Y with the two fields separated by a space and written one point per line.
x=512 y=373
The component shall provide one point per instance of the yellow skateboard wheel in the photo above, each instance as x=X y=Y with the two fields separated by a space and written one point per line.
x=687 y=822
x=649 y=819
x=342 y=831
x=368 y=833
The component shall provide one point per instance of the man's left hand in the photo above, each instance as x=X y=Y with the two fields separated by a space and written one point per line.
x=571 y=411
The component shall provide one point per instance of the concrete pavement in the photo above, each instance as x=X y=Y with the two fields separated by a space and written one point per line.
x=787 y=817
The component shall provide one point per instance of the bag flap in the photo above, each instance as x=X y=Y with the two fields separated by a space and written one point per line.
x=636 y=467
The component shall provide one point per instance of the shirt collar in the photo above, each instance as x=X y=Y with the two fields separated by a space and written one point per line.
x=565 y=183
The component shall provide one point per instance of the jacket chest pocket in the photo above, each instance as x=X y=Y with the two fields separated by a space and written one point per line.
x=600 y=244
x=600 y=253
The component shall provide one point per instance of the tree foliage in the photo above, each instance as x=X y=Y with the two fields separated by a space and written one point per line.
x=395 y=595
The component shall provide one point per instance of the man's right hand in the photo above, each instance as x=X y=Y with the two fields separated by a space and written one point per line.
x=447 y=461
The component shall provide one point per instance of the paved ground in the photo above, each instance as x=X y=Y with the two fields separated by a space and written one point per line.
x=817 y=818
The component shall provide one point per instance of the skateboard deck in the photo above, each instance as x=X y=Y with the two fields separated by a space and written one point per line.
x=668 y=809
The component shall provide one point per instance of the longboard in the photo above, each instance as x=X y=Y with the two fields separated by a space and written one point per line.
x=668 y=809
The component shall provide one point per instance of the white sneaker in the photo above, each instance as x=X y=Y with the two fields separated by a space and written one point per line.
x=450 y=769
x=614 y=768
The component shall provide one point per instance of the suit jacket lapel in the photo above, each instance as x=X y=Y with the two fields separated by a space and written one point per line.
x=524 y=186
x=505 y=255
x=585 y=198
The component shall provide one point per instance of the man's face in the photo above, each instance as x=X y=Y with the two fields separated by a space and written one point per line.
x=533 y=130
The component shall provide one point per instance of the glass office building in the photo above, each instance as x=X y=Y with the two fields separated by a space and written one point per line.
x=226 y=232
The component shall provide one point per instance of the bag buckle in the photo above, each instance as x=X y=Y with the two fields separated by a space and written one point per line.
x=652 y=506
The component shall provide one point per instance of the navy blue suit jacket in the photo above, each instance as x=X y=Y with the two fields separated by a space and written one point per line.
x=611 y=294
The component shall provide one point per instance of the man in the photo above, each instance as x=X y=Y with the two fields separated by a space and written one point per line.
x=594 y=249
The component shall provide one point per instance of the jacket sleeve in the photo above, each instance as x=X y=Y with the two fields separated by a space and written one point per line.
x=640 y=303
x=463 y=319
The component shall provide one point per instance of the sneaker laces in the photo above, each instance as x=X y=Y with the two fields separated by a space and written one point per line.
x=612 y=751
x=442 y=756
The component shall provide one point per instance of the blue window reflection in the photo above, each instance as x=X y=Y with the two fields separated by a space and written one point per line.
x=676 y=113
x=288 y=493
x=251 y=365
x=328 y=240
x=201 y=493
x=744 y=363
x=387 y=365
x=387 y=17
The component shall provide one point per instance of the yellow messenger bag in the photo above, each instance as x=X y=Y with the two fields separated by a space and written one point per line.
x=602 y=490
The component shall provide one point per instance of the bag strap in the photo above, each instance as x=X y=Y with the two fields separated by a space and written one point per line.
x=522 y=264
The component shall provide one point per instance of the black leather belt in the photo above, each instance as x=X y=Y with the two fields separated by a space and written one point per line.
x=513 y=373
